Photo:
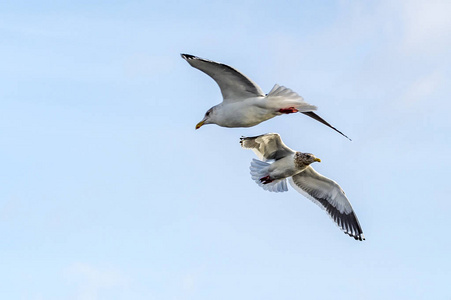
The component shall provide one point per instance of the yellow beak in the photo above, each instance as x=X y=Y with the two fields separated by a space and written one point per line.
x=317 y=159
x=199 y=125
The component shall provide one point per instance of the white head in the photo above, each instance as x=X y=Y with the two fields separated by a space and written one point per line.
x=209 y=118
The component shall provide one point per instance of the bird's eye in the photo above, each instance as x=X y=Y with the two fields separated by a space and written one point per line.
x=207 y=114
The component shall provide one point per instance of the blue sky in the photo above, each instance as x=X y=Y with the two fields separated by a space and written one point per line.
x=108 y=192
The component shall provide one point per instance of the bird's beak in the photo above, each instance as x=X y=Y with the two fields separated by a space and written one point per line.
x=199 y=125
x=317 y=159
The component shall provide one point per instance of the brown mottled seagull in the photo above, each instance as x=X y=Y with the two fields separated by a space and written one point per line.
x=295 y=166
x=244 y=103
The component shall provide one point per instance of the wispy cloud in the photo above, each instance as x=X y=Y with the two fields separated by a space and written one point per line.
x=91 y=280
x=421 y=90
x=427 y=25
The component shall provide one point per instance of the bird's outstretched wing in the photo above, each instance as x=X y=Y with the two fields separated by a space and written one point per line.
x=266 y=146
x=329 y=196
x=233 y=84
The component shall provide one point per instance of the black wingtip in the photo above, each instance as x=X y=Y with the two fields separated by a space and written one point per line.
x=357 y=237
x=313 y=115
x=187 y=56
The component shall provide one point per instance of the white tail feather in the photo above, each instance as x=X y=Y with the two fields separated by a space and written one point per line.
x=288 y=97
x=281 y=91
x=259 y=169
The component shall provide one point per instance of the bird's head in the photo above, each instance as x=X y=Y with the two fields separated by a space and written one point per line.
x=209 y=118
x=306 y=158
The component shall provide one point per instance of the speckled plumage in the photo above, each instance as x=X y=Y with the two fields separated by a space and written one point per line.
x=293 y=166
x=303 y=160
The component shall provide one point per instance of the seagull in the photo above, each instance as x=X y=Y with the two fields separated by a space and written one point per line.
x=295 y=166
x=244 y=103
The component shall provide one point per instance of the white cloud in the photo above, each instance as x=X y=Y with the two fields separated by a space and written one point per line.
x=190 y=281
x=427 y=25
x=422 y=90
x=92 y=281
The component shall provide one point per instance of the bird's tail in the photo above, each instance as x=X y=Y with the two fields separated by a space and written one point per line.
x=259 y=169
x=289 y=98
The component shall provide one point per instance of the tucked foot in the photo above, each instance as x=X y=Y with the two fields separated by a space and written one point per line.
x=288 y=110
x=266 y=180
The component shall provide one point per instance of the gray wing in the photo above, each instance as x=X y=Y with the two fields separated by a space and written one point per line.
x=233 y=84
x=266 y=146
x=329 y=196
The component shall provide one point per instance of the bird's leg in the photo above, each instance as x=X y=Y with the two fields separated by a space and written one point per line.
x=266 y=180
x=288 y=110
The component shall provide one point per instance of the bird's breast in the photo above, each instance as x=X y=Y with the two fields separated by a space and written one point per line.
x=283 y=168
x=245 y=113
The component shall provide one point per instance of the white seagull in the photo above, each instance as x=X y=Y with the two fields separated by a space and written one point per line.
x=244 y=103
x=295 y=166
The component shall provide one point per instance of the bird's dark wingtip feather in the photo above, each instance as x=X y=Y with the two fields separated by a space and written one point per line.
x=313 y=115
x=187 y=56
x=358 y=237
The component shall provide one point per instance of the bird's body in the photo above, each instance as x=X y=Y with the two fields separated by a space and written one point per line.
x=246 y=113
x=244 y=103
x=294 y=166
x=250 y=111
x=287 y=166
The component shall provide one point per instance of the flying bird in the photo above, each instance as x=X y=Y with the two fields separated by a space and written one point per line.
x=295 y=166
x=244 y=103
